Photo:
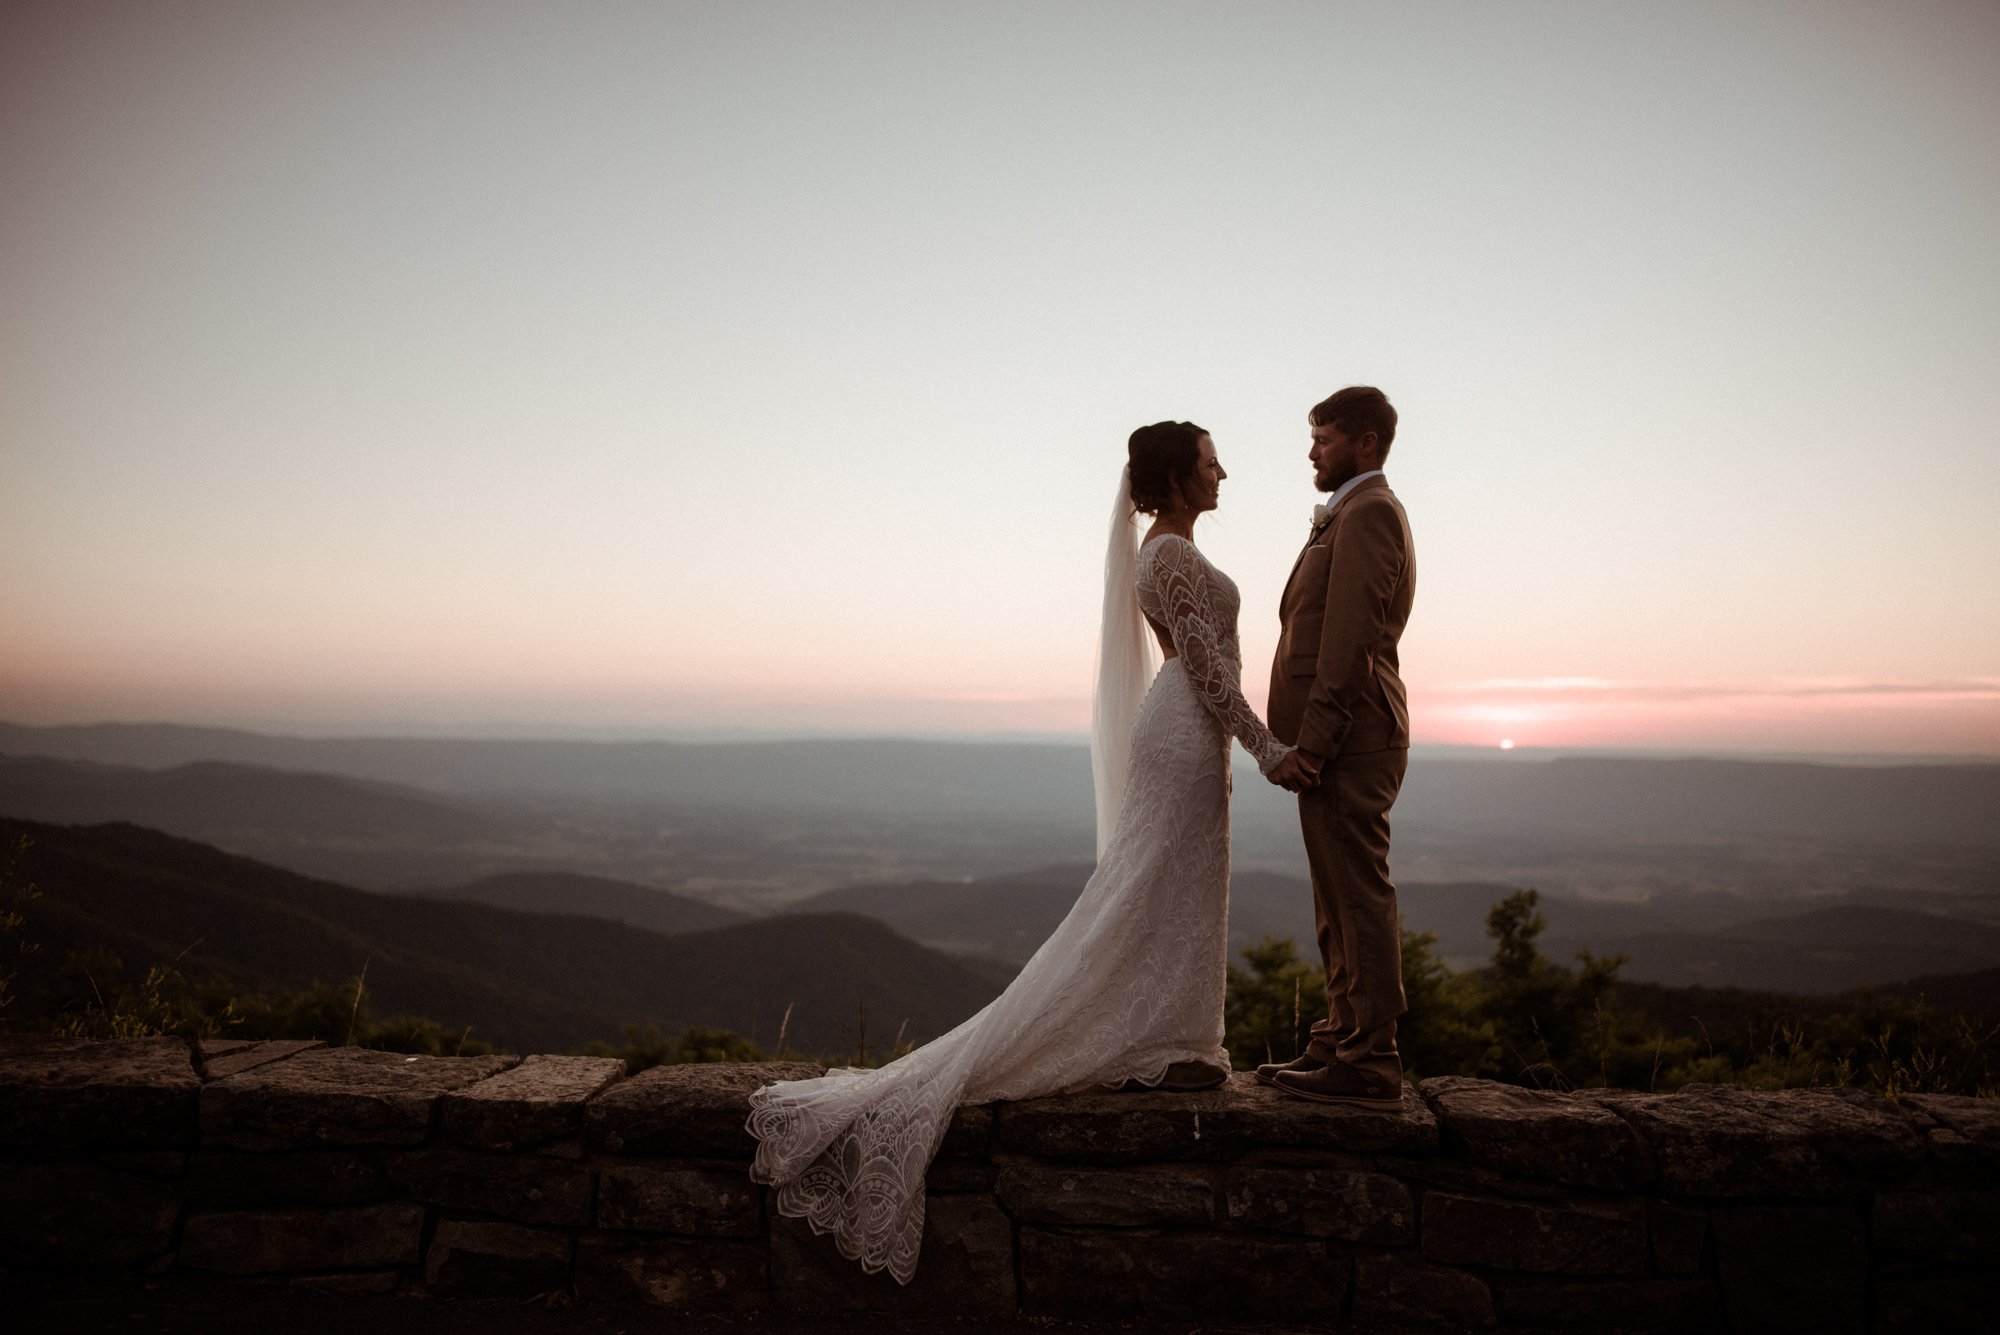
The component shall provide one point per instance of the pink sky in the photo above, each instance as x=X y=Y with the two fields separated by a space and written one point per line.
x=413 y=366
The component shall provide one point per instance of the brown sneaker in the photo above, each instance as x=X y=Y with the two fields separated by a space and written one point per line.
x=1181 y=1078
x=1305 y=1061
x=1341 y=1083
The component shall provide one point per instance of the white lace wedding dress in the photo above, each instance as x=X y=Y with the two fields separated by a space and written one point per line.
x=1129 y=983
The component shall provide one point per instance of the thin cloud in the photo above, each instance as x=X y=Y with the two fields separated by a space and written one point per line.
x=1599 y=690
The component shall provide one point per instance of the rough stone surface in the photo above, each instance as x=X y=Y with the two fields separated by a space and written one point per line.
x=1680 y=1237
x=61 y=1093
x=1720 y=1142
x=1215 y=1124
x=1614 y=1305
x=692 y=1110
x=74 y=1214
x=335 y=1096
x=524 y=1188
x=1178 y=1276
x=1938 y=1305
x=1323 y=1203
x=1105 y=1196
x=691 y=1275
x=479 y=1259
x=668 y=1199
x=1538 y=1133
x=303 y=1177
x=255 y=1242
x=966 y=1267
x=1394 y=1291
x=1792 y=1267
x=220 y=1060
x=960 y=1175
x=1516 y=1235
x=354 y=1281
x=542 y=1099
x=1949 y=1223
x=969 y=1134
x=1965 y=1146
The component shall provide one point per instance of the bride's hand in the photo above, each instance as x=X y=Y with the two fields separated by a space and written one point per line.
x=1293 y=774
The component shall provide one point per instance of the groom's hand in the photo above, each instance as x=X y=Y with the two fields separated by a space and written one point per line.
x=1293 y=773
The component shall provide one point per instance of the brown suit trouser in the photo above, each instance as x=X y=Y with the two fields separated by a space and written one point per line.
x=1345 y=818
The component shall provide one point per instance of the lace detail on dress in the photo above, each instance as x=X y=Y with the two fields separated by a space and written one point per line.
x=1130 y=982
x=1198 y=604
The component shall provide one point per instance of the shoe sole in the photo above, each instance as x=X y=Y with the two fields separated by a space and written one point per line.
x=1349 y=1100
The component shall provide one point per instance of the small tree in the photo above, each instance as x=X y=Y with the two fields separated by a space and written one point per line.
x=1553 y=1025
x=1269 y=1007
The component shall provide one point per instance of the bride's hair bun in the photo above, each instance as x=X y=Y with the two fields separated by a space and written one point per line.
x=1158 y=455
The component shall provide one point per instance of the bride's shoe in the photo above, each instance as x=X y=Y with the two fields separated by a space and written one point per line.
x=1181 y=1078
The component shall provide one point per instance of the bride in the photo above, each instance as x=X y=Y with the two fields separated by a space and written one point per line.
x=1128 y=990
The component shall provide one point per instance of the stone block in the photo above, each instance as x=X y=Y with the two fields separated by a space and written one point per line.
x=1965 y=1138
x=524 y=1188
x=1125 y=1196
x=1720 y=1142
x=694 y=1110
x=1537 y=1133
x=144 y=1163
x=58 y=1093
x=1395 y=1291
x=661 y=1199
x=691 y=1275
x=299 y=1177
x=259 y=1242
x=1792 y=1267
x=540 y=1100
x=947 y=1176
x=1680 y=1237
x=219 y=1060
x=335 y=1096
x=1578 y=1239
x=965 y=1266
x=1353 y=1206
x=1958 y=1224
x=478 y=1259
x=1937 y=1305
x=1613 y=1305
x=83 y=1215
x=1201 y=1276
x=350 y=1282
x=969 y=1134
x=1220 y=1123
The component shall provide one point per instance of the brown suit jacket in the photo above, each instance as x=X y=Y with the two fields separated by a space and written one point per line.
x=1335 y=687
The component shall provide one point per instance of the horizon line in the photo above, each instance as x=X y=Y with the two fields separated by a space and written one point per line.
x=735 y=734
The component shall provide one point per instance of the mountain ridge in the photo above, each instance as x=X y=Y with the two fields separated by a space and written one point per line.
x=533 y=981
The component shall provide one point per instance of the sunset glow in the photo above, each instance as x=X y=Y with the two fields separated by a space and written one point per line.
x=404 y=367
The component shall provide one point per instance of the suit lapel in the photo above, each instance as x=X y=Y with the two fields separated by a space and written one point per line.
x=1368 y=485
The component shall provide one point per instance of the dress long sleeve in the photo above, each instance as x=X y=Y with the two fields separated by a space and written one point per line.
x=1176 y=590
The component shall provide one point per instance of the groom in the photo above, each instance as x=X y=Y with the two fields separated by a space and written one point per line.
x=1336 y=695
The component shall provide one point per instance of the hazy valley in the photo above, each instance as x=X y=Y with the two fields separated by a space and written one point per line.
x=720 y=883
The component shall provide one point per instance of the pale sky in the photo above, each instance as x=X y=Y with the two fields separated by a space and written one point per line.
x=420 y=364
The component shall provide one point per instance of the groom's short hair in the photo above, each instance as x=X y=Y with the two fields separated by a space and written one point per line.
x=1355 y=411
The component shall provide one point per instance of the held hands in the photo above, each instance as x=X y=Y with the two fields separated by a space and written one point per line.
x=1295 y=773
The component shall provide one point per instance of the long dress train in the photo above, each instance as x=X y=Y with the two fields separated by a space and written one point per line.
x=1129 y=983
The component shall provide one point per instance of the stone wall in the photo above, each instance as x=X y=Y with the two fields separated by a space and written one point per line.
x=1476 y=1205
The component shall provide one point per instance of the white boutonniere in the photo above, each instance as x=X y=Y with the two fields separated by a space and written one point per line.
x=1321 y=513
